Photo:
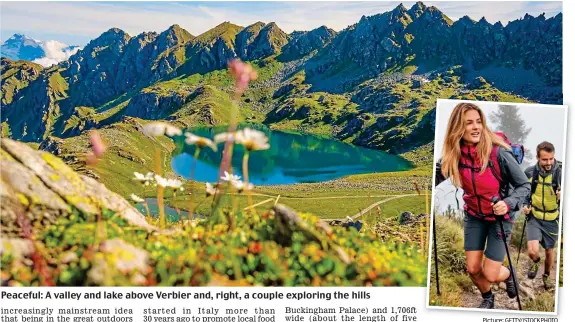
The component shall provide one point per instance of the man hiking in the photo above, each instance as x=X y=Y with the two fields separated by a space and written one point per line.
x=542 y=214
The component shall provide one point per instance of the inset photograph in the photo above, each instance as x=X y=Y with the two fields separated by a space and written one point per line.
x=496 y=222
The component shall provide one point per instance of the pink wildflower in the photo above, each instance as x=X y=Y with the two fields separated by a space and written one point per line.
x=243 y=73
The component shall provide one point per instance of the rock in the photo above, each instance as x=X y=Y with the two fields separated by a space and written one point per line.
x=478 y=82
x=206 y=115
x=128 y=257
x=52 y=144
x=351 y=127
x=376 y=100
x=405 y=218
x=17 y=247
x=288 y=221
x=526 y=291
x=390 y=45
x=119 y=256
x=335 y=222
x=68 y=257
x=327 y=118
x=44 y=188
x=304 y=42
x=381 y=123
x=260 y=40
x=283 y=90
x=157 y=103
x=302 y=112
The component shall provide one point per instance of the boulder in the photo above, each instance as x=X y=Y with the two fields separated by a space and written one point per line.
x=42 y=188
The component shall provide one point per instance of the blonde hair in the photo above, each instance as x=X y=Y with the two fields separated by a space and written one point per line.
x=453 y=137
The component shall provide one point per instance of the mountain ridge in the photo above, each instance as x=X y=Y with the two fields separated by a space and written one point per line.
x=371 y=84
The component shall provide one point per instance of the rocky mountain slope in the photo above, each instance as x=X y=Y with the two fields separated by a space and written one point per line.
x=372 y=84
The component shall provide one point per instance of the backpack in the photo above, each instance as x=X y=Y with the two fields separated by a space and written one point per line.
x=497 y=166
x=554 y=182
x=517 y=150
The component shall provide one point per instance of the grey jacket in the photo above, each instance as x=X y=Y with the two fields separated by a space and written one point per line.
x=515 y=187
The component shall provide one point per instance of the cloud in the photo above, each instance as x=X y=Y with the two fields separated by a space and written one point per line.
x=55 y=52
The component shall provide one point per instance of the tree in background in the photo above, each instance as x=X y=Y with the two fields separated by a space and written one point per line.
x=508 y=120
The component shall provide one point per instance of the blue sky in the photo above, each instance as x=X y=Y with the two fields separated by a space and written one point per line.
x=76 y=23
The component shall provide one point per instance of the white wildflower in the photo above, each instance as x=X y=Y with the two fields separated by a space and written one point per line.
x=145 y=179
x=240 y=185
x=136 y=198
x=161 y=128
x=175 y=184
x=172 y=130
x=163 y=182
x=210 y=190
x=199 y=141
x=252 y=140
x=223 y=137
x=230 y=177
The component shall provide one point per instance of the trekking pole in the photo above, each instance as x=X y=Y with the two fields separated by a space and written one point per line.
x=435 y=251
x=496 y=200
x=521 y=242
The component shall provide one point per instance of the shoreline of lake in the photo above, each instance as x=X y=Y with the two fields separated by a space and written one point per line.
x=291 y=159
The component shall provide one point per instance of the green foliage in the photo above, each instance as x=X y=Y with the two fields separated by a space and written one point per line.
x=225 y=31
x=318 y=112
x=266 y=68
x=210 y=251
x=13 y=79
x=450 y=254
x=6 y=132
x=181 y=34
x=219 y=78
x=58 y=85
x=544 y=302
x=408 y=37
x=450 y=290
x=128 y=151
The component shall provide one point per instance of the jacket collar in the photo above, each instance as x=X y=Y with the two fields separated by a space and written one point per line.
x=546 y=173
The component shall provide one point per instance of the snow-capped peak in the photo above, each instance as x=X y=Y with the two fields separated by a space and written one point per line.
x=45 y=53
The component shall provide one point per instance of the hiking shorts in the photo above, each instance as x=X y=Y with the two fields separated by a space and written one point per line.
x=486 y=236
x=545 y=231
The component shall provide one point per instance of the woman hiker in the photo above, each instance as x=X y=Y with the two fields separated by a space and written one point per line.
x=481 y=163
